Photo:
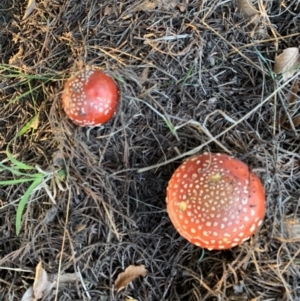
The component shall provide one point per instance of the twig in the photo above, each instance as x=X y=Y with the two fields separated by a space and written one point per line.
x=167 y=38
x=83 y=284
x=63 y=245
x=233 y=47
x=198 y=148
x=15 y=269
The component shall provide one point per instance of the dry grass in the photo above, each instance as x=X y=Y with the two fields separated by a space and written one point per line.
x=208 y=75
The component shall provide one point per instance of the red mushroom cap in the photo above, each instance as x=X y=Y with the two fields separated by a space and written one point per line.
x=214 y=201
x=90 y=98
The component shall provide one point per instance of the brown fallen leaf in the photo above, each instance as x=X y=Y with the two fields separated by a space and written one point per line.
x=131 y=273
x=167 y=4
x=153 y=4
x=29 y=9
x=146 y=5
x=144 y=75
x=41 y=283
x=130 y=299
x=58 y=159
x=257 y=28
x=109 y=10
x=150 y=5
x=79 y=228
x=287 y=62
x=291 y=227
x=42 y=286
x=293 y=93
x=296 y=120
x=66 y=278
x=292 y=101
x=246 y=8
x=28 y=296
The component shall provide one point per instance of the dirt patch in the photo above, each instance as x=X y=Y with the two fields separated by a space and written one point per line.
x=193 y=76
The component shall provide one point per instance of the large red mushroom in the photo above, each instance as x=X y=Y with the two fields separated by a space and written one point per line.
x=90 y=98
x=214 y=201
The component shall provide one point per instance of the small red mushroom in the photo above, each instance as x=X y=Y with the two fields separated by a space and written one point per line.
x=215 y=202
x=90 y=98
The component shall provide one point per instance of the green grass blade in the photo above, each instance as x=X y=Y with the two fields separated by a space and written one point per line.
x=23 y=130
x=187 y=76
x=17 y=73
x=266 y=63
x=15 y=171
x=16 y=99
x=24 y=201
x=16 y=181
x=18 y=164
x=165 y=119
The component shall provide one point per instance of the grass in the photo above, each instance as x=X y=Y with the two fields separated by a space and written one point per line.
x=26 y=174
x=165 y=118
x=24 y=78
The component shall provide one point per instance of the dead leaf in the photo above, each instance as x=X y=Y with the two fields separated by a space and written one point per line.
x=28 y=296
x=296 y=120
x=58 y=159
x=79 y=228
x=153 y=4
x=182 y=8
x=109 y=10
x=40 y=282
x=287 y=62
x=131 y=273
x=130 y=299
x=42 y=286
x=146 y=5
x=260 y=32
x=291 y=227
x=291 y=99
x=293 y=93
x=247 y=9
x=169 y=4
x=144 y=75
x=66 y=278
x=30 y=7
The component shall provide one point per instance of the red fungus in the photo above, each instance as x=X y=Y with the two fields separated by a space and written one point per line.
x=215 y=202
x=90 y=98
